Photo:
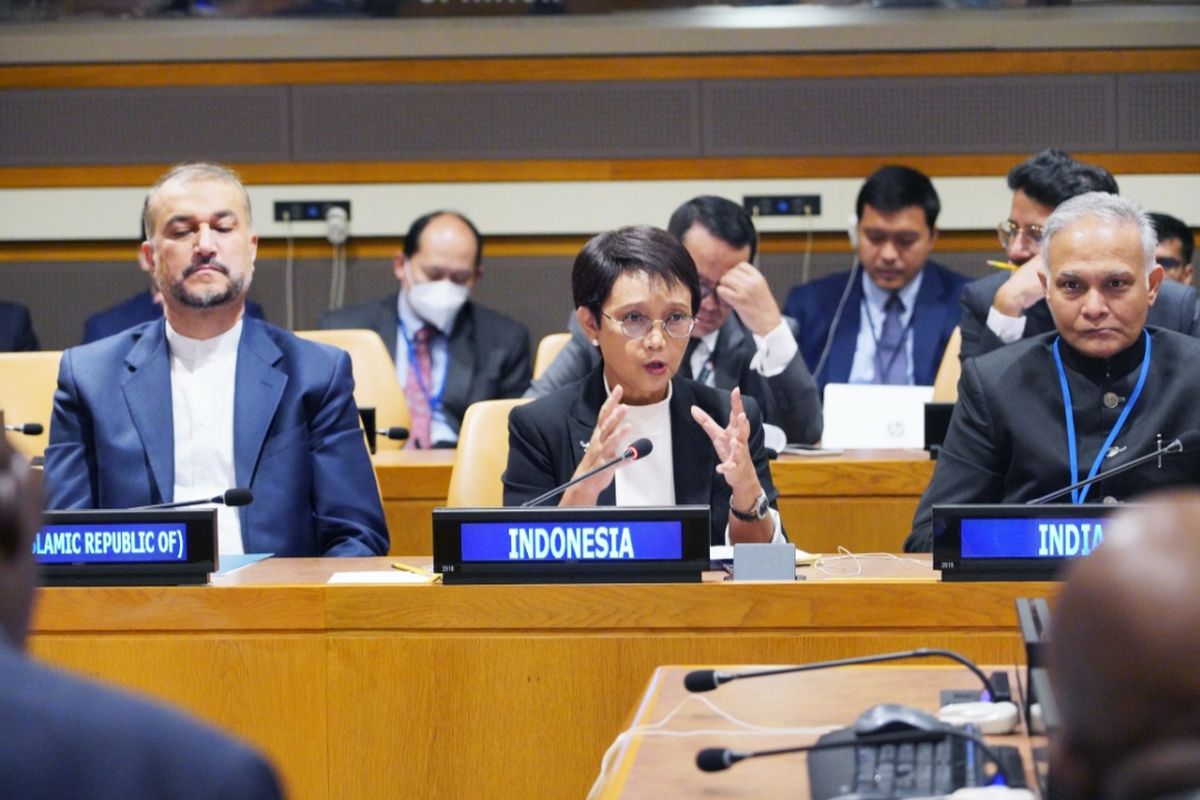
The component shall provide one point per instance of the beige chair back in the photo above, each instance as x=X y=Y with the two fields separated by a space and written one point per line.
x=945 y=384
x=375 y=382
x=27 y=384
x=482 y=455
x=547 y=350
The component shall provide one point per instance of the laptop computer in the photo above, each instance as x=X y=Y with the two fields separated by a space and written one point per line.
x=871 y=416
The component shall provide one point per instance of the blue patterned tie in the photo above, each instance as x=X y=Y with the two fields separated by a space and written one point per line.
x=890 y=354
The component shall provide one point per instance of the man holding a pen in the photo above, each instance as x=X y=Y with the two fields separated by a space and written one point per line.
x=1010 y=305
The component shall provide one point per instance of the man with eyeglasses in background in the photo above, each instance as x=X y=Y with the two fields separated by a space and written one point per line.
x=740 y=339
x=1174 y=251
x=1010 y=305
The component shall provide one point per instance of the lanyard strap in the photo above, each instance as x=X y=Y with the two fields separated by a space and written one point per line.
x=435 y=400
x=1079 y=495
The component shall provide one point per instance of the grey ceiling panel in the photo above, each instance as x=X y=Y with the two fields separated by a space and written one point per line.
x=139 y=126
x=864 y=116
x=401 y=122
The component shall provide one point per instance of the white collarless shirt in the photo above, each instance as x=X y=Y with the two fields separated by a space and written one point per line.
x=203 y=375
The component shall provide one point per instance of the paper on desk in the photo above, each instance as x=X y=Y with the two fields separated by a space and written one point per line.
x=724 y=552
x=379 y=576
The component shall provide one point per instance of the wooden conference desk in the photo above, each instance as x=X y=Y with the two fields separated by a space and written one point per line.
x=362 y=692
x=863 y=499
x=658 y=767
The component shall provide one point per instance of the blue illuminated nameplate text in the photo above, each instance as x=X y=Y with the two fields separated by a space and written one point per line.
x=116 y=543
x=1030 y=538
x=540 y=540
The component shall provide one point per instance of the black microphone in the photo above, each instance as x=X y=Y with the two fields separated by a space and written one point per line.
x=716 y=759
x=396 y=434
x=639 y=449
x=230 y=497
x=1186 y=441
x=704 y=680
x=29 y=428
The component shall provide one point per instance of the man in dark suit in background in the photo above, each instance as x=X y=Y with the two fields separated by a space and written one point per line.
x=464 y=352
x=16 y=329
x=71 y=738
x=891 y=324
x=740 y=338
x=1008 y=306
x=1175 y=248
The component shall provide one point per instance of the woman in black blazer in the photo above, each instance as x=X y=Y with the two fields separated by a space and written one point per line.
x=636 y=293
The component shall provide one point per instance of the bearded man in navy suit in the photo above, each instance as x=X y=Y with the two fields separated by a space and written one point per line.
x=209 y=398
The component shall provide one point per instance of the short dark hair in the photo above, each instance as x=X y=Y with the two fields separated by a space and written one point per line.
x=412 y=239
x=639 y=248
x=721 y=217
x=1052 y=177
x=892 y=188
x=1167 y=228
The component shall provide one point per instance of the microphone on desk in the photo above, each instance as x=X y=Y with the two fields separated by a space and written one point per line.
x=230 y=497
x=704 y=680
x=717 y=759
x=397 y=433
x=1186 y=441
x=28 y=428
x=639 y=449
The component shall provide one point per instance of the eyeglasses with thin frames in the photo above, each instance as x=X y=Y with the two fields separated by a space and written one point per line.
x=638 y=326
x=1010 y=231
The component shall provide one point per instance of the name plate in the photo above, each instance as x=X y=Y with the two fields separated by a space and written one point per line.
x=557 y=545
x=126 y=547
x=1013 y=542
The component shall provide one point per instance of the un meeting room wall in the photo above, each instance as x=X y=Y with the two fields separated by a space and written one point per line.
x=544 y=130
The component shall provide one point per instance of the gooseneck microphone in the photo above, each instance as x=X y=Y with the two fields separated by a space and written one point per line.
x=639 y=449
x=716 y=759
x=230 y=497
x=1186 y=441
x=396 y=434
x=704 y=680
x=28 y=428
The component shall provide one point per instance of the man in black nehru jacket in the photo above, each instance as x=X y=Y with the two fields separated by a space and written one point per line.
x=1098 y=391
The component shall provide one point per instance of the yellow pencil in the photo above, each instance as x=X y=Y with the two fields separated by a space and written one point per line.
x=433 y=576
x=1003 y=265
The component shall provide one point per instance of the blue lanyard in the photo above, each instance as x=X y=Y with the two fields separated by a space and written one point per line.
x=435 y=400
x=880 y=367
x=1079 y=495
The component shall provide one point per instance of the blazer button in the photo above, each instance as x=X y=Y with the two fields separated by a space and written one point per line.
x=1111 y=400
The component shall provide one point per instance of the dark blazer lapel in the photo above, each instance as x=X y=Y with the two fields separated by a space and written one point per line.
x=693 y=457
x=845 y=338
x=387 y=318
x=147 y=390
x=728 y=359
x=258 y=388
x=929 y=320
x=460 y=370
x=582 y=422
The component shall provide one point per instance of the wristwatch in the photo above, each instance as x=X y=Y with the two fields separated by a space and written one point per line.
x=758 y=511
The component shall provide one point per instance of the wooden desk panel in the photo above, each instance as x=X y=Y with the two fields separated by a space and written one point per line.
x=661 y=767
x=863 y=500
x=363 y=692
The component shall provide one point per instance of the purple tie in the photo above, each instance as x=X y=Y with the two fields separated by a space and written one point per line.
x=416 y=389
x=890 y=354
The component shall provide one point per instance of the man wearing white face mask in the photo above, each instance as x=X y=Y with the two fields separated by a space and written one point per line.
x=449 y=351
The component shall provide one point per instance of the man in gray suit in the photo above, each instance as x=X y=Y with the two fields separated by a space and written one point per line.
x=463 y=352
x=740 y=338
